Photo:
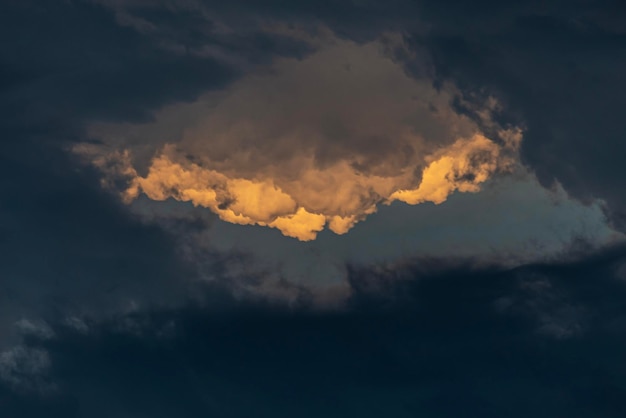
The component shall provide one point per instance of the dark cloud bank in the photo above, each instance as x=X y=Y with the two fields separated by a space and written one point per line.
x=102 y=315
x=542 y=340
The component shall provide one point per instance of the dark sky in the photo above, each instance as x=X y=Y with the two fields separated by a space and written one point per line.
x=304 y=208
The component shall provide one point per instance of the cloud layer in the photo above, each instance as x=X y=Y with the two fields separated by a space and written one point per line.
x=170 y=313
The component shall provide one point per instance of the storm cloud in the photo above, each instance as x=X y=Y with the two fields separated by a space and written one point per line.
x=451 y=171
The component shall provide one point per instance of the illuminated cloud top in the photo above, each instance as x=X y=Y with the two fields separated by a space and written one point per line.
x=312 y=142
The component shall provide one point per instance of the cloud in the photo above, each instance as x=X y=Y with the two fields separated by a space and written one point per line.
x=558 y=69
x=88 y=246
x=24 y=368
x=114 y=72
x=310 y=143
x=405 y=340
x=37 y=329
x=512 y=221
x=140 y=311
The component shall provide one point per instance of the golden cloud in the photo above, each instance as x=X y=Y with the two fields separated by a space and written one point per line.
x=313 y=143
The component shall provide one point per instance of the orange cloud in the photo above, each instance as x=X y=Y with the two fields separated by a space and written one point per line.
x=313 y=143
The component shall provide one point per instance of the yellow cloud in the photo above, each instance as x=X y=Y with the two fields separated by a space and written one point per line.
x=336 y=196
x=462 y=167
x=314 y=143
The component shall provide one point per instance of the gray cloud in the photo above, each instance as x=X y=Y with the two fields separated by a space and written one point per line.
x=25 y=368
x=34 y=328
x=403 y=343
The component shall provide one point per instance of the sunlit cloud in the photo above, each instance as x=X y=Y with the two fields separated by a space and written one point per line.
x=310 y=144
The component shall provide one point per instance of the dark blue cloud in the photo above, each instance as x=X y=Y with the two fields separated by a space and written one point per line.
x=428 y=340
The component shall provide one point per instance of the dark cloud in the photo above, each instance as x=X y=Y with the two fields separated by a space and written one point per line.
x=423 y=340
x=67 y=245
x=71 y=61
x=361 y=21
x=102 y=314
x=558 y=67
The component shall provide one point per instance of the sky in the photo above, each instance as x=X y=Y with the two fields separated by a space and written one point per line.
x=337 y=208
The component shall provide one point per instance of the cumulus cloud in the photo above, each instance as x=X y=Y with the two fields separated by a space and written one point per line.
x=309 y=144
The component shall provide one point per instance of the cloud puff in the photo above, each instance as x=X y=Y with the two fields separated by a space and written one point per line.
x=309 y=144
x=24 y=368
